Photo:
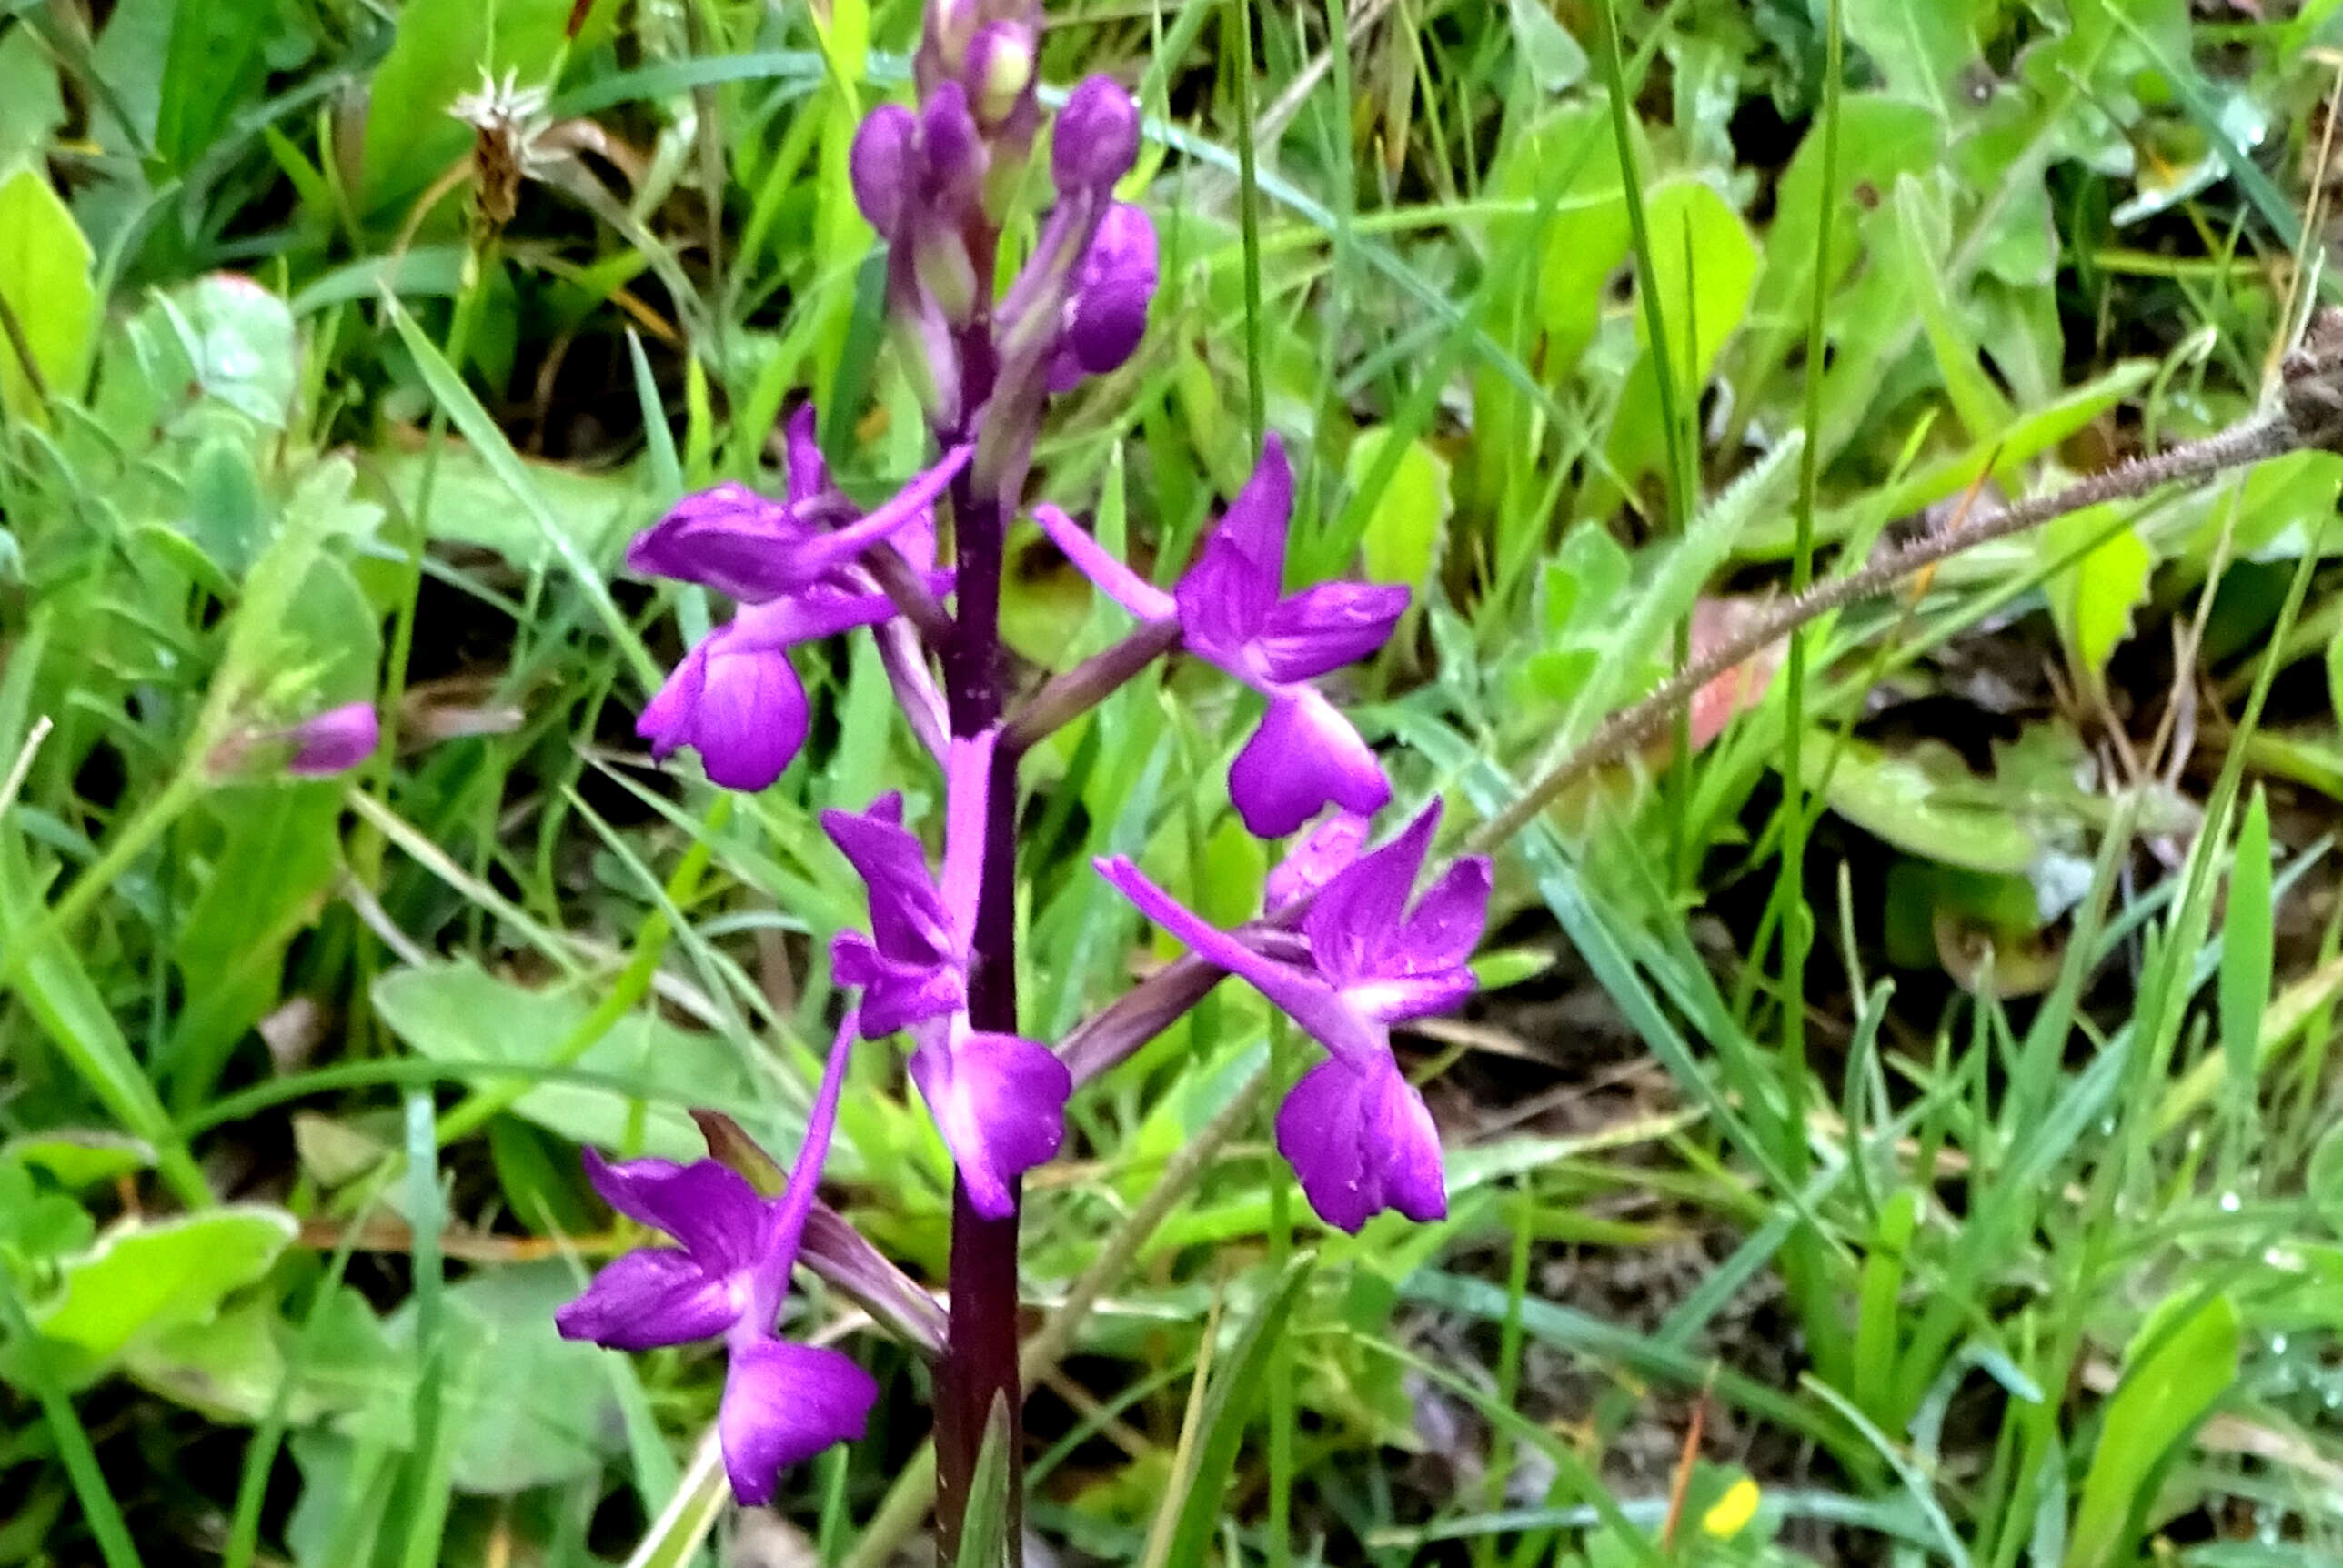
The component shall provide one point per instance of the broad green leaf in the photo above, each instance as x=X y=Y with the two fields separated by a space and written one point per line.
x=2173 y=1376
x=1568 y=156
x=1921 y=801
x=144 y=1276
x=2247 y=952
x=1555 y=61
x=1923 y=234
x=31 y=106
x=525 y=1406
x=454 y=1011
x=1409 y=520
x=2091 y=602
x=214 y=63
x=1919 y=50
x=470 y=504
x=45 y=265
x=1704 y=266
x=35 y=1226
x=226 y=517
x=277 y=854
x=79 y=1160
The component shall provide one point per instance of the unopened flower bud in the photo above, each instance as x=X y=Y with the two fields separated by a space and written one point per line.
x=1097 y=138
x=334 y=742
x=882 y=166
x=954 y=155
x=999 y=70
x=1112 y=291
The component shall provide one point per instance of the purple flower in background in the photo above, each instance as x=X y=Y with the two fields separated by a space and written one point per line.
x=998 y=1100
x=1233 y=613
x=783 y=1402
x=753 y=549
x=1355 y=1131
x=334 y=742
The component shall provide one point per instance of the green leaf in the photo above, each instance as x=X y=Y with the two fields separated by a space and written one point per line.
x=77 y=1160
x=1408 y=521
x=1555 y=61
x=1921 y=801
x=214 y=64
x=2175 y=1375
x=524 y=1406
x=44 y=282
x=1919 y=50
x=2247 y=952
x=984 y=1525
x=31 y=106
x=35 y=1225
x=1237 y=1385
x=2091 y=602
x=1704 y=266
x=238 y=346
x=148 y=1276
x=456 y=1012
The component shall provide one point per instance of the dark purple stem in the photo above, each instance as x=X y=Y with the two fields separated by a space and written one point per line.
x=980 y=1362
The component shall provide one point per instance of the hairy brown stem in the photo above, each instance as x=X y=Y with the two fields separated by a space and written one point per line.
x=2251 y=441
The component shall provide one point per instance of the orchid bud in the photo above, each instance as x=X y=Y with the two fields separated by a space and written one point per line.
x=883 y=166
x=1112 y=290
x=334 y=742
x=999 y=70
x=943 y=41
x=1096 y=140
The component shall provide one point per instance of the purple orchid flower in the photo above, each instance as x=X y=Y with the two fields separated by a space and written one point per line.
x=1107 y=314
x=1354 y=1130
x=737 y=700
x=333 y=741
x=753 y=549
x=783 y=1403
x=998 y=1100
x=1233 y=613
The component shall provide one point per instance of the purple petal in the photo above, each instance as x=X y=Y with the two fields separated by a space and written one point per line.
x=1304 y=758
x=809 y=473
x=1096 y=139
x=1224 y=601
x=953 y=154
x=968 y=791
x=1116 y=581
x=769 y=1280
x=333 y=741
x=657 y=1296
x=1354 y=923
x=1312 y=862
x=739 y=705
x=1309 y=1000
x=895 y=995
x=1362 y=1141
x=1328 y=627
x=1446 y=925
x=908 y=920
x=1000 y=1102
x=729 y=538
x=1257 y=520
x=784 y=1404
x=708 y=1207
x=1116 y=283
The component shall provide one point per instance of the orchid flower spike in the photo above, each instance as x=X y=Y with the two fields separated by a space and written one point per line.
x=1234 y=614
x=783 y=1403
x=1354 y=1130
x=998 y=1100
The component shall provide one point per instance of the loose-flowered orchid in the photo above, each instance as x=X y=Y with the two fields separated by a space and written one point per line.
x=998 y=1100
x=1232 y=613
x=783 y=1403
x=795 y=566
x=1355 y=1131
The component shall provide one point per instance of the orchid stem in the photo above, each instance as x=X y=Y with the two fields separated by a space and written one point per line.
x=979 y=1360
